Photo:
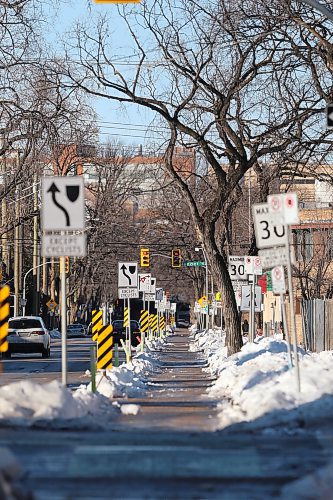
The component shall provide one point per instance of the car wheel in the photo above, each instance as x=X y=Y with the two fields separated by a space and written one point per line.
x=46 y=353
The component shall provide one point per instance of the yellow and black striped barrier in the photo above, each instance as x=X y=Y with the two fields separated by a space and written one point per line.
x=104 y=348
x=97 y=322
x=144 y=321
x=4 y=316
x=162 y=324
x=126 y=317
x=153 y=324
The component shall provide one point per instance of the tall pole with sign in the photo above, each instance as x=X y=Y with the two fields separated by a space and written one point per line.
x=63 y=224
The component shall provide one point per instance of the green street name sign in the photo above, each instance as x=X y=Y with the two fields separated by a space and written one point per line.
x=193 y=263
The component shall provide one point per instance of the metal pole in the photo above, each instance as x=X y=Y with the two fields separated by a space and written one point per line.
x=286 y=330
x=16 y=250
x=63 y=323
x=149 y=329
x=129 y=331
x=35 y=252
x=292 y=310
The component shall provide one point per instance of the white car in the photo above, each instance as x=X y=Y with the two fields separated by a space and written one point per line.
x=28 y=334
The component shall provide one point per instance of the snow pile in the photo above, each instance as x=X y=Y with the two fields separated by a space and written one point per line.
x=317 y=485
x=212 y=344
x=26 y=402
x=256 y=385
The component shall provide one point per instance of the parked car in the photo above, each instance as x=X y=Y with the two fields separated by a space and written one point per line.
x=75 y=330
x=28 y=334
x=119 y=332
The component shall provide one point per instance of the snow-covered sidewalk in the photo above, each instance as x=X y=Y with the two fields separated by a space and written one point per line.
x=256 y=386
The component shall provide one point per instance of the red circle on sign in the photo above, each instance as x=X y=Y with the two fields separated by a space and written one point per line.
x=289 y=201
x=277 y=273
x=275 y=203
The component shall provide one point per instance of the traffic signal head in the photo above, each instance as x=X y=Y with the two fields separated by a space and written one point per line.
x=175 y=258
x=144 y=257
x=66 y=265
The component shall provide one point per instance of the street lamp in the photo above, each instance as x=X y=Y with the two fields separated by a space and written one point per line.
x=321 y=8
x=24 y=280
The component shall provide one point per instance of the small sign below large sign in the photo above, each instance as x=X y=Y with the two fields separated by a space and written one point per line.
x=73 y=245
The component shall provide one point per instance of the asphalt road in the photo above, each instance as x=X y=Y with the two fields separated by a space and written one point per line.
x=169 y=450
x=34 y=367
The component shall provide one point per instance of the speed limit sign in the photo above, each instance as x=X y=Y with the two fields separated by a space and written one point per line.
x=269 y=229
x=237 y=268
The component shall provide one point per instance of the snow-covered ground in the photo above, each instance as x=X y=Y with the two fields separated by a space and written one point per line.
x=28 y=403
x=256 y=385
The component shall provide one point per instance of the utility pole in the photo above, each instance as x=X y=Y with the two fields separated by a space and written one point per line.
x=17 y=251
x=35 y=274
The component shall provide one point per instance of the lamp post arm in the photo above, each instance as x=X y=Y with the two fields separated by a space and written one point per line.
x=24 y=280
x=319 y=7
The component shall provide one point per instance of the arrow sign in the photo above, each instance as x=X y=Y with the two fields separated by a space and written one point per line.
x=127 y=275
x=63 y=207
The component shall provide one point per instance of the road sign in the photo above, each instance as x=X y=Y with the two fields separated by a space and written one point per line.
x=128 y=293
x=285 y=206
x=63 y=203
x=202 y=301
x=246 y=298
x=237 y=268
x=150 y=297
x=329 y=116
x=269 y=231
x=273 y=257
x=159 y=294
x=193 y=263
x=253 y=265
x=51 y=304
x=70 y=245
x=144 y=282
x=127 y=275
x=278 y=282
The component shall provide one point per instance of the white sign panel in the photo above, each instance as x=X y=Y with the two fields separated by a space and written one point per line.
x=285 y=206
x=152 y=287
x=159 y=294
x=269 y=232
x=127 y=275
x=278 y=282
x=73 y=245
x=174 y=306
x=271 y=257
x=237 y=285
x=63 y=203
x=149 y=297
x=253 y=265
x=237 y=268
x=246 y=298
x=128 y=293
x=144 y=282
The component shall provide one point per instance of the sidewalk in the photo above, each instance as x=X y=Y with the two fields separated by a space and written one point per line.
x=176 y=395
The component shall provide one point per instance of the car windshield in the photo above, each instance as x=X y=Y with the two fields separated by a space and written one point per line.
x=120 y=324
x=24 y=323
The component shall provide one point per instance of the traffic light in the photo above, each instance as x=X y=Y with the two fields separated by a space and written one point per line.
x=144 y=257
x=66 y=264
x=175 y=258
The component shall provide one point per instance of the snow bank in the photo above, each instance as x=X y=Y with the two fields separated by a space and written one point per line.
x=256 y=385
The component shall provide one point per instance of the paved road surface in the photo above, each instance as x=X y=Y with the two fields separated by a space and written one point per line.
x=170 y=450
x=34 y=367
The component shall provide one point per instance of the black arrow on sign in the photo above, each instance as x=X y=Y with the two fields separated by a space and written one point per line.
x=124 y=268
x=53 y=189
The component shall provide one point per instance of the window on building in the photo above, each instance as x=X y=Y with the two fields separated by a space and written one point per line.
x=303 y=243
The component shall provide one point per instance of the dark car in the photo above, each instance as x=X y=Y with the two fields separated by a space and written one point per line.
x=119 y=332
x=75 y=330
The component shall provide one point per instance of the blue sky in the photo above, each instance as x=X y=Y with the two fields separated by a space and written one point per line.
x=130 y=124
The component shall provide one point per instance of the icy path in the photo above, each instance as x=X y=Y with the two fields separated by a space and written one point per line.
x=176 y=397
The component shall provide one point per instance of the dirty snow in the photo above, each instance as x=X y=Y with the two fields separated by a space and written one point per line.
x=129 y=409
x=256 y=385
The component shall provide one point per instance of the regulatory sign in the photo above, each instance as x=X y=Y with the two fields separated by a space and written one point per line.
x=269 y=231
x=63 y=203
x=253 y=265
x=285 y=206
x=152 y=286
x=246 y=298
x=278 y=282
x=159 y=294
x=70 y=245
x=127 y=274
x=271 y=257
x=144 y=282
x=128 y=293
x=237 y=284
x=237 y=268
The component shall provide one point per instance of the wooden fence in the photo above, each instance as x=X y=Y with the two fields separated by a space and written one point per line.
x=317 y=318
